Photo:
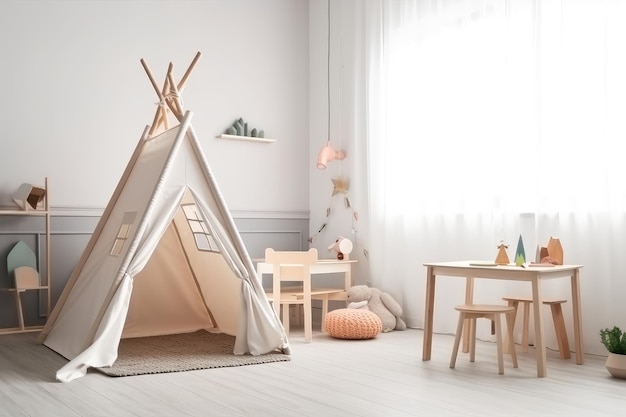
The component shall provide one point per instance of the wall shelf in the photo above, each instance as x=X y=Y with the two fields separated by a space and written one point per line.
x=245 y=138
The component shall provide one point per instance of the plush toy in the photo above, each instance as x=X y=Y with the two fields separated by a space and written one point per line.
x=380 y=303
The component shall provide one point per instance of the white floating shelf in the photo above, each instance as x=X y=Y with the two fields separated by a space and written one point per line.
x=246 y=138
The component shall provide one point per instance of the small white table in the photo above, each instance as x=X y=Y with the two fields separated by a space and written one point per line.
x=535 y=275
x=323 y=266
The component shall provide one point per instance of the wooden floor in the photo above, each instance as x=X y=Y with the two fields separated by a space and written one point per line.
x=382 y=377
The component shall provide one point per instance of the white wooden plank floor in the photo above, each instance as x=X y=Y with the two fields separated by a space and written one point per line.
x=383 y=377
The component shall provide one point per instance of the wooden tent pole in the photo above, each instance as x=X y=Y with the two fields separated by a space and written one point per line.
x=155 y=123
x=171 y=98
x=161 y=115
x=152 y=81
x=183 y=80
x=174 y=99
x=164 y=101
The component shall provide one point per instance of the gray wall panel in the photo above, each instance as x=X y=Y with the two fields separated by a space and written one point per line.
x=70 y=235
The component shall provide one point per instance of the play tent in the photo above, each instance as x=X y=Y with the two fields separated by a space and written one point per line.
x=165 y=258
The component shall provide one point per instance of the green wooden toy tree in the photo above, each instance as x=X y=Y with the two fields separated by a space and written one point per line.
x=520 y=255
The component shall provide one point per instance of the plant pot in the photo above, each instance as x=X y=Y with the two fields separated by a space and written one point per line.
x=616 y=365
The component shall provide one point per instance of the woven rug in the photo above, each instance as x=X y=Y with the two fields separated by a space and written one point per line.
x=181 y=352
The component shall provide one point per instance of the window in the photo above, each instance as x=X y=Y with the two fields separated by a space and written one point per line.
x=123 y=233
x=205 y=240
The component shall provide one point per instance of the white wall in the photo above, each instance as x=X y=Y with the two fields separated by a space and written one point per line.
x=346 y=133
x=75 y=98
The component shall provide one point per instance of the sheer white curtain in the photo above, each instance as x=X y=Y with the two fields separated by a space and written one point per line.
x=491 y=119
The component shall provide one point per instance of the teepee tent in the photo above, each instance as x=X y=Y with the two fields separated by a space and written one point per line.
x=165 y=258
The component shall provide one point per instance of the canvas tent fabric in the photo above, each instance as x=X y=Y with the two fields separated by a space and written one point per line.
x=165 y=258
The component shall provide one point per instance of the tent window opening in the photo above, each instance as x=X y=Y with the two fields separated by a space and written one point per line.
x=123 y=233
x=205 y=240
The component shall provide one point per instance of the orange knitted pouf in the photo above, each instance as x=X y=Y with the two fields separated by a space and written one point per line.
x=350 y=323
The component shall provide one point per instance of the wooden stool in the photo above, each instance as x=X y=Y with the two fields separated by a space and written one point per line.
x=491 y=312
x=557 y=318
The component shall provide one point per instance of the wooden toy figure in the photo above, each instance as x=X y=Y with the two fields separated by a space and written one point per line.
x=555 y=250
x=502 y=258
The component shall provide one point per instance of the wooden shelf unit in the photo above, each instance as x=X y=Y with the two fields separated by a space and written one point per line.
x=45 y=212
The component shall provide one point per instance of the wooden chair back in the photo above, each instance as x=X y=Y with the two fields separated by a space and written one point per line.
x=293 y=267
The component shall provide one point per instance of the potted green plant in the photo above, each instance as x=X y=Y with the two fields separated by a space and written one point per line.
x=614 y=340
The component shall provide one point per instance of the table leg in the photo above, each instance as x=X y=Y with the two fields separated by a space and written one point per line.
x=427 y=342
x=469 y=299
x=578 y=327
x=540 y=342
